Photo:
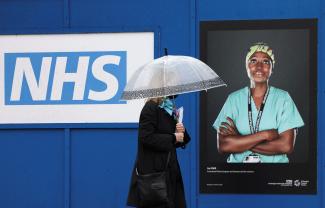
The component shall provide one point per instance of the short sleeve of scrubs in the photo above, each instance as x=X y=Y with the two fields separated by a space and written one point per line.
x=290 y=117
x=225 y=112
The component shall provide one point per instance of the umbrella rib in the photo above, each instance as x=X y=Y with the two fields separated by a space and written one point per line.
x=164 y=74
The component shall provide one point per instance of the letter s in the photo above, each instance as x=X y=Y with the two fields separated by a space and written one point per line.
x=109 y=79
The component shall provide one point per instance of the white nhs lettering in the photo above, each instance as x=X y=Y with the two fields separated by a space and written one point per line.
x=39 y=88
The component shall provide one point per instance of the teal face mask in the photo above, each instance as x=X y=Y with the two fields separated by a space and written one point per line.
x=167 y=105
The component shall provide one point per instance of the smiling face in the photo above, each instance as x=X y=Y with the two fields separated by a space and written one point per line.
x=259 y=67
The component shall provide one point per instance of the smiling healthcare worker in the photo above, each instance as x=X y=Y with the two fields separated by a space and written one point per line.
x=258 y=124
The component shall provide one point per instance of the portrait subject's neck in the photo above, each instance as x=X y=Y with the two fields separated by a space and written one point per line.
x=259 y=90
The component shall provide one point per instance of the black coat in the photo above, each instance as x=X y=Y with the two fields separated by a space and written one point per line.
x=155 y=139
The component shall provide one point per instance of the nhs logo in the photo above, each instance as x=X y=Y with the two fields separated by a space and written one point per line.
x=71 y=78
x=61 y=78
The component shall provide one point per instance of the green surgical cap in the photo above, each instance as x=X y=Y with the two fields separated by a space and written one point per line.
x=260 y=47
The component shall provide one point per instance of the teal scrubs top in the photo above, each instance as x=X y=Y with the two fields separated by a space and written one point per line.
x=279 y=113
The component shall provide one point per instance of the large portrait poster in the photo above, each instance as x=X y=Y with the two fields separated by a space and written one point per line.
x=242 y=161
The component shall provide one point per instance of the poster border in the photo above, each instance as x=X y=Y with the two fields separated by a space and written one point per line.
x=235 y=25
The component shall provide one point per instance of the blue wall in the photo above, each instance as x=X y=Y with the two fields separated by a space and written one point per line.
x=81 y=166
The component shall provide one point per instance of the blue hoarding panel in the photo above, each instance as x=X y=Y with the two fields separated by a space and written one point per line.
x=33 y=160
x=101 y=166
x=32 y=170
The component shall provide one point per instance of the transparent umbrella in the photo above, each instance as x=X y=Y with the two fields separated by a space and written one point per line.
x=171 y=75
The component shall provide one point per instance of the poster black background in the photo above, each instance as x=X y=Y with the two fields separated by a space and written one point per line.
x=224 y=45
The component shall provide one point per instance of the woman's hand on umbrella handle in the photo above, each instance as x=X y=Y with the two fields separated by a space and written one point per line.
x=179 y=137
x=180 y=128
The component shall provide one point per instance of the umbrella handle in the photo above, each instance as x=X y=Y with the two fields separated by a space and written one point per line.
x=166 y=52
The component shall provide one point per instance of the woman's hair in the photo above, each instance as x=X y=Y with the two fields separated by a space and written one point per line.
x=157 y=100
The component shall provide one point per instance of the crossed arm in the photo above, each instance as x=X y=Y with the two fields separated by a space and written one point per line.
x=267 y=142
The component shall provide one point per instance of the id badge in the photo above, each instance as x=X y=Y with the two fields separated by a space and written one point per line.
x=252 y=158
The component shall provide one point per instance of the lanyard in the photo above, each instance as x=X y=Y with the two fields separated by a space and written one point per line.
x=260 y=112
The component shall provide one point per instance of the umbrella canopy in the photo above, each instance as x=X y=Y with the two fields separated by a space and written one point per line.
x=170 y=75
